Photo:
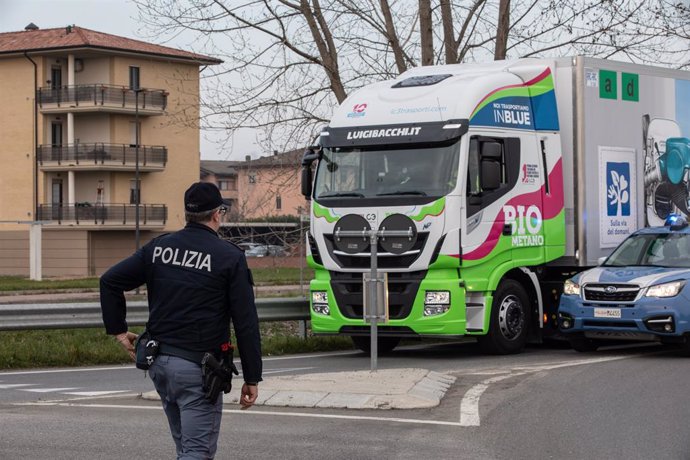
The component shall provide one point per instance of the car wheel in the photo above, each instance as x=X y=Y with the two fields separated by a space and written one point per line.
x=509 y=324
x=384 y=344
x=582 y=344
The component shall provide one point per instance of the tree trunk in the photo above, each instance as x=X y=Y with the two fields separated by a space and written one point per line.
x=502 y=29
x=449 y=44
x=426 y=32
x=392 y=37
x=324 y=42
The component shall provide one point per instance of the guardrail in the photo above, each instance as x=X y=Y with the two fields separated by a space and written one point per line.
x=14 y=317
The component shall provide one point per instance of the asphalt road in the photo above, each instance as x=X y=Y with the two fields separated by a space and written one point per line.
x=620 y=403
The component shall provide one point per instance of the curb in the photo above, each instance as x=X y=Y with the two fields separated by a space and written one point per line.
x=383 y=389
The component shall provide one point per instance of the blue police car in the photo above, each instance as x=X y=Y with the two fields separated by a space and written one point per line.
x=640 y=292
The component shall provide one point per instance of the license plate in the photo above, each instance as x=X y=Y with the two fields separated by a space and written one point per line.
x=607 y=312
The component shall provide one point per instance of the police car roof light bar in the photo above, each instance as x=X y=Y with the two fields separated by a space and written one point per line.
x=676 y=222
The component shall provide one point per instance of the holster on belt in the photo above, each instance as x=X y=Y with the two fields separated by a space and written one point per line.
x=217 y=375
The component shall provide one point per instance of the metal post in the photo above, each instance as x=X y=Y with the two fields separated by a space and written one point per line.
x=136 y=168
x=373 y=300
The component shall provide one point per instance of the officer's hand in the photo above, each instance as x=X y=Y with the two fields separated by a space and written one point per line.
x=249 y=395
x=127 y=340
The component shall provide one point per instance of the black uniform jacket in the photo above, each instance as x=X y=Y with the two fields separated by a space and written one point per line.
x=196 y=283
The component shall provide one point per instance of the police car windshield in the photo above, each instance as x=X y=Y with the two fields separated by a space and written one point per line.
x=656 y=250
x=378 y=172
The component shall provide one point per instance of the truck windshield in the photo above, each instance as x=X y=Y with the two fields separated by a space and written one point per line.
x=660 y=250
x=368 y=173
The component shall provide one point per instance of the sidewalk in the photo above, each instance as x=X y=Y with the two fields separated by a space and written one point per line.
x=383 y=389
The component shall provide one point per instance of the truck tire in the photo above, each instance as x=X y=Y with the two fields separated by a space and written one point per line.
x=509 y=326
x=385 y=344
x=582 y=344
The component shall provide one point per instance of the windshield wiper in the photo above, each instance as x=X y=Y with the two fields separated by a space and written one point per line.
x=403 y=192
x=341 y=194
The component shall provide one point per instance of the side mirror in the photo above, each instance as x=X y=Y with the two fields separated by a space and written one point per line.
x=491 y=175
x=310 y=155
x=306 y=182
x=601 y=260
x=491 y=165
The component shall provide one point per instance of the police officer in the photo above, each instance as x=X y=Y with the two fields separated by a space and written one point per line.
x=196 y=284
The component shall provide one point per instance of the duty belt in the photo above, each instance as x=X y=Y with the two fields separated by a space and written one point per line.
x=193 y=356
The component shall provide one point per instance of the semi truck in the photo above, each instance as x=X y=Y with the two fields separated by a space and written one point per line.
x=515 y=175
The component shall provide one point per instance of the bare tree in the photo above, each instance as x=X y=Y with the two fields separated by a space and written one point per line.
x=289 y=62
x=502 y=30
x=426 y=32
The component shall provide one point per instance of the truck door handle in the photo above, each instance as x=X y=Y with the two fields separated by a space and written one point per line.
x=507 y=229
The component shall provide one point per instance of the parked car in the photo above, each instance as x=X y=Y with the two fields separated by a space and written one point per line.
x=253 y=249
x=276 y=251
x=640 y=292
x=262 y=250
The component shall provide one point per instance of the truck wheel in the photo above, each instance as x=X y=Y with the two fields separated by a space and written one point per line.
x=509 y=324
x=385 y=344
x=582 y=344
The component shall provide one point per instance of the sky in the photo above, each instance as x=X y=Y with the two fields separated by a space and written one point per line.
x=117 y=17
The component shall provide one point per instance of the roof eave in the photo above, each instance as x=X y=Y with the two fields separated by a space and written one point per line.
x=199 y=60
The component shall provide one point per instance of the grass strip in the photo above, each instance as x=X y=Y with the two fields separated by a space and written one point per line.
x=89 y=347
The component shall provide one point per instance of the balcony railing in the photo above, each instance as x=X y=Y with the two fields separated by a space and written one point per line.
x=100 y=154
x=102 y=96
x=116 y=214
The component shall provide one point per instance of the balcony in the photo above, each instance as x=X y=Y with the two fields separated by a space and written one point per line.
x=100 y=156
x=101 y=98
x=103 y=216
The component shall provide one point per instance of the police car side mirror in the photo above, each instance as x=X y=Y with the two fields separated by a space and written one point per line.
x=601 y=260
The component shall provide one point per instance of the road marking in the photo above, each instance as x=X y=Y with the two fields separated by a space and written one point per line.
x=15 y=385
x=254 y=412
x=469 y=406
x=95 y=393
x=130 y=368
x=288 y=369
x=49 y=390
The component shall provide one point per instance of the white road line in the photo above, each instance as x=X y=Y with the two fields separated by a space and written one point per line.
x=258 y=413
x=95 y=393
x=15 y=385
x=49 y=390
x=288 y=369
x=469 y=406
x=129 y=368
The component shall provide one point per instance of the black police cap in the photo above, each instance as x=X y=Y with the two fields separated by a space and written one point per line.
x=202 y=197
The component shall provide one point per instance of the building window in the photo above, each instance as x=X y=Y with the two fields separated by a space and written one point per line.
x=227 y=184
x=133 y=77
x=252 y=179
x=279 y=203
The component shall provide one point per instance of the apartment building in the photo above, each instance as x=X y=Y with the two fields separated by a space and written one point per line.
x=270 y=186
x=100 y=139
x=224 y=175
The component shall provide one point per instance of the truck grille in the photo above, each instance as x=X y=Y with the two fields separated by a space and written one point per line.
x=402 y=290
x=611 y=292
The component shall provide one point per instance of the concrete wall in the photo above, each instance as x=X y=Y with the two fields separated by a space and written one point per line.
x=72 y=254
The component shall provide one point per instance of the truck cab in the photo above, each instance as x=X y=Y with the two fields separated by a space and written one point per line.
x=471 y=154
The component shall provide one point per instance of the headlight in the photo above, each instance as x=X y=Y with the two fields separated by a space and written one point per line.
x=319 y=297
x=436 y=302
x=571 y=288
x=437 y=297
x=319 y=302
x=665 y=290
